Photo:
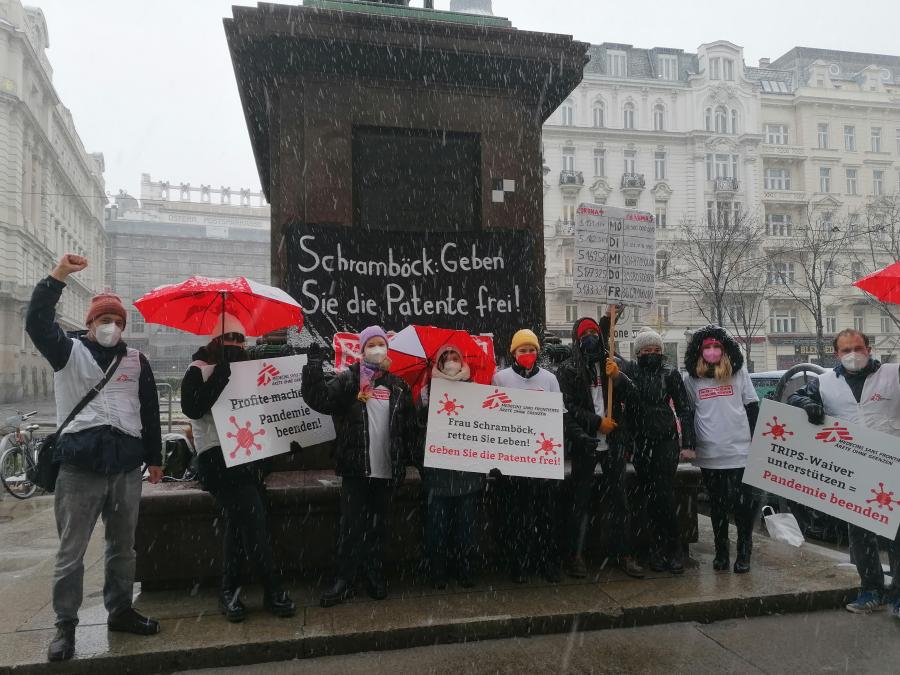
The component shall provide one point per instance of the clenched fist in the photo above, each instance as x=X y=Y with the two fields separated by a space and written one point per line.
x=67 y=265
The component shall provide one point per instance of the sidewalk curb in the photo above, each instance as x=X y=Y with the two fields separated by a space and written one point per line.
x=312 y=646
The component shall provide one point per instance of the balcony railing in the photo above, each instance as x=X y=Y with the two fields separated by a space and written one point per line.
x=571 y=177
x=785 y=151
x=785 y=196
x=726 y=184
x=565 y=228
x=633 y=181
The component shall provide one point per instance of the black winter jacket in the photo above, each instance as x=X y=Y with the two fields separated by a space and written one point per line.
x=651 y=416
x=100 y=449
x=337 y=397
x=576 y=376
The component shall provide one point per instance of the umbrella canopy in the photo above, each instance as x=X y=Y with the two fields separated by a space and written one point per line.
x=196 y=305
x=412 y=352
x=883 y=284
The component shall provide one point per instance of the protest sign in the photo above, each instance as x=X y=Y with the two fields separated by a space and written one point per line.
x=841 y=469
x=261 y=412
x=476 y=427
x=347 y=278
x=615 y=255
x=346 y=348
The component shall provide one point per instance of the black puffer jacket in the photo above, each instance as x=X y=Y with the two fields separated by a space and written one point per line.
x=576 y=376
x=652 y=416
x=337 y=397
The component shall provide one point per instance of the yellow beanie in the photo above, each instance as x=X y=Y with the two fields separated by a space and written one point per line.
x=524 y=337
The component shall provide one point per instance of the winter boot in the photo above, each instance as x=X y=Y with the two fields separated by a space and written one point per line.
x=279 y=603
x=130 y=621
x=576 y=568
x=231 y=606
x=339 y=591
x=744 y=549
x=62 y=648
x=376 y=586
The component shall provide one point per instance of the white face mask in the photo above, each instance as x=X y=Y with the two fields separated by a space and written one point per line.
x=108 y=334
x=854 y=361
x=452 y=368
x=375 y=355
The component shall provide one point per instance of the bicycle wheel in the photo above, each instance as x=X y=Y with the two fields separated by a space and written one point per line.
x=13 y=473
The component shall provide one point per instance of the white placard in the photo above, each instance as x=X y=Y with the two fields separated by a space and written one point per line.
x=615 y=255
x=841 y=469
x=476 y=427
x=261 y=412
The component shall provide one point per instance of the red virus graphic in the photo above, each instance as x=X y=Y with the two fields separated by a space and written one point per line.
x=244 y=438
x=267 y=373
x=877 y=397
x=546 y=445
x=495 y=400
x=882 y=498
x=835 y=433
x=777 y=430
x=449 y=406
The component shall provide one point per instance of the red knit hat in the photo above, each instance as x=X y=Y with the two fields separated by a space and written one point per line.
x=585 y=325
x=106 y=303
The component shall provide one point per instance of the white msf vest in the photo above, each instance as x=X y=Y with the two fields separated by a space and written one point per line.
x=204 y=429
x=117 y=405
x=879 y=404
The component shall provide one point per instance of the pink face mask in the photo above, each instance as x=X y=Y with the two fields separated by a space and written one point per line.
x=712 y=355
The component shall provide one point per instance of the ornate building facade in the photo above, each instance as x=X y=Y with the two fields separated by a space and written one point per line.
x=52 y=198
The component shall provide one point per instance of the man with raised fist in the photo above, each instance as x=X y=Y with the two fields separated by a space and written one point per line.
x=101 y=449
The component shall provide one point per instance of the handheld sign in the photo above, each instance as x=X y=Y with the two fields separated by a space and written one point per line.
x=841 y=469
x=615 y=256
x=476 y=427
x=261 y=412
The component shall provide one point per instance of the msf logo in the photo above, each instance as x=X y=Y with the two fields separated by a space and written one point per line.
x=266 y=374
x=834 y=433
x=495 y=400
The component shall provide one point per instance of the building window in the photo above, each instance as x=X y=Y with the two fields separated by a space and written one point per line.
x=662 y=311
x=599 y=162
x=568 y=266
x=878 y=183
x=568 y=213
x=876 y=139
x=659 y=165
x=898 y=141
x=668 y=67
x=780 y=273
x=851 y=182
x=571 y=313
x=708 y=120
x=618 y=65
x=628 y=116
x=661 y=215
x=779 y=225
x=599 y=115
x=859 y=319
x=721 y=120
x=568 y=158
x=715 y=69
x=631 y=203
x=776 y=134
x=886 y=323
x=662 y=264
x=630 y=161
x=777 y=179
x=659 y=118
x=856 y=270
x=734 y=121
x=783 y=321
x=849 y=138
x=568 y=113
x=824 y=179
x=831 y=324
x=728 y=69
x=823 y=136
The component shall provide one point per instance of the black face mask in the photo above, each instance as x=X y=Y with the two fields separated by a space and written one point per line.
x=590 y=344
x=651 y=361
x=234 y=354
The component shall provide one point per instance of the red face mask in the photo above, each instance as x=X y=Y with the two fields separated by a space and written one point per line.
x=526 y=360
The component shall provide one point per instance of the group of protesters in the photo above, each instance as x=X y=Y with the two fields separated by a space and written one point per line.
x=655 y=418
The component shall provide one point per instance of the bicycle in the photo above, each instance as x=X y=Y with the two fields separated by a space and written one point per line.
x=18 y=454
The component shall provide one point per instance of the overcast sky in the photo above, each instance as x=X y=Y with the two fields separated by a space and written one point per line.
x=150 y=83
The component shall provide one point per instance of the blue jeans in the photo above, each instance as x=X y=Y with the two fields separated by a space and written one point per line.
x=865 y=552
x=81 y=497
x=450 y=532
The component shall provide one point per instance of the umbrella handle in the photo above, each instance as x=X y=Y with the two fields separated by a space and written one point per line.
x=223 y=328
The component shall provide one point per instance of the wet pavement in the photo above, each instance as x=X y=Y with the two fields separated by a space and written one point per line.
x=196 y=636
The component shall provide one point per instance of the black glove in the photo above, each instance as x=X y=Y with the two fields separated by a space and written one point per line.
x=495 y=474
x=815 y=414
x=222 y=372
x=315 y=355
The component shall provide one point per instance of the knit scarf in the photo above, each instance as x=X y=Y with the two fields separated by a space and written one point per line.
x=368 y=373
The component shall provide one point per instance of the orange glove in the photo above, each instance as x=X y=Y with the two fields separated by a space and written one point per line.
x=607 y=426
x=612 y=368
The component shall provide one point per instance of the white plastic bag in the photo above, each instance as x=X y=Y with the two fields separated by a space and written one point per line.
x=783 y=527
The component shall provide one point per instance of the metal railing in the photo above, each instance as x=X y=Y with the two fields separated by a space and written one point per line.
x=165 y=392
x=633 y=180
x=571 y=177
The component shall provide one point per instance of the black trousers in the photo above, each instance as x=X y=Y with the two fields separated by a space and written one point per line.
x=365 y=509
x=615 y=518
x=450 y=532
x=531 y=529
x=865 y=551
x=728 y=495
x=653 y=502
x=241 y=495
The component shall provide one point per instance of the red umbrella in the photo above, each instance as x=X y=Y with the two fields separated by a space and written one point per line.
x=883 y=284
x=196 y=305
x=412 y=352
